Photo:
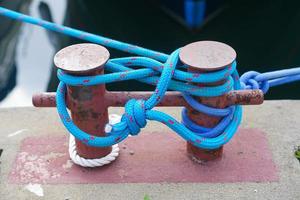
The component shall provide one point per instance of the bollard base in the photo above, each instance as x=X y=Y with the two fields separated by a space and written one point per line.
x=89 y=152
x=203 y=155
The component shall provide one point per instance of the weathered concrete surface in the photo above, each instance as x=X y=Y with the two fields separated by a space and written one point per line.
x=280 y=120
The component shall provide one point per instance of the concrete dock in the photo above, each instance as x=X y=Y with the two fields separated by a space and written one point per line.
x=259 y=163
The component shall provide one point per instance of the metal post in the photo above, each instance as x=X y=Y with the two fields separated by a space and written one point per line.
x=203 y=57
x=86 y=103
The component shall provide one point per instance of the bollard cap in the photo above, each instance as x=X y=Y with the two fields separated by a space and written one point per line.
x=207 y=55
x=81 y=58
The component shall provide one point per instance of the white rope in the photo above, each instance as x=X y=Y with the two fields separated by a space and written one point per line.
x=97 y=162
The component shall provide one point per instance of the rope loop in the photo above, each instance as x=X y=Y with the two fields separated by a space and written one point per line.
x=249 y=81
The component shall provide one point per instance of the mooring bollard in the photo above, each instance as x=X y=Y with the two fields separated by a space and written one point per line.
x=86 y=103
x=202 y=57
x=89 y=104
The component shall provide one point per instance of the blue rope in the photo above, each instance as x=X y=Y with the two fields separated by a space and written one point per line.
x=138 y=111
x=147 y=76
x=256 y=80
x=164 y=72
x=84 y=35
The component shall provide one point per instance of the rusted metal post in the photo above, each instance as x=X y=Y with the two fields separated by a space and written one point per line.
x=86 y=103
x=203 y=57
x=89 y=104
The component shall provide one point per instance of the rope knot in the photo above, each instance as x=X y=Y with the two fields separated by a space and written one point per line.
x=135 y=115
x=249 y=80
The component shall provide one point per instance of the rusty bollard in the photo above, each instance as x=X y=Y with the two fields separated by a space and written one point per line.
x=86 y=103
x=203 y=57
x=89 y=104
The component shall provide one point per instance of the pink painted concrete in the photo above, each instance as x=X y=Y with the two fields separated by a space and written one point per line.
x=148 y=158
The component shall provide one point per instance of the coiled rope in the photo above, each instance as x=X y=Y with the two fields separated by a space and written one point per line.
x=166 y=72
x=97 y=162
